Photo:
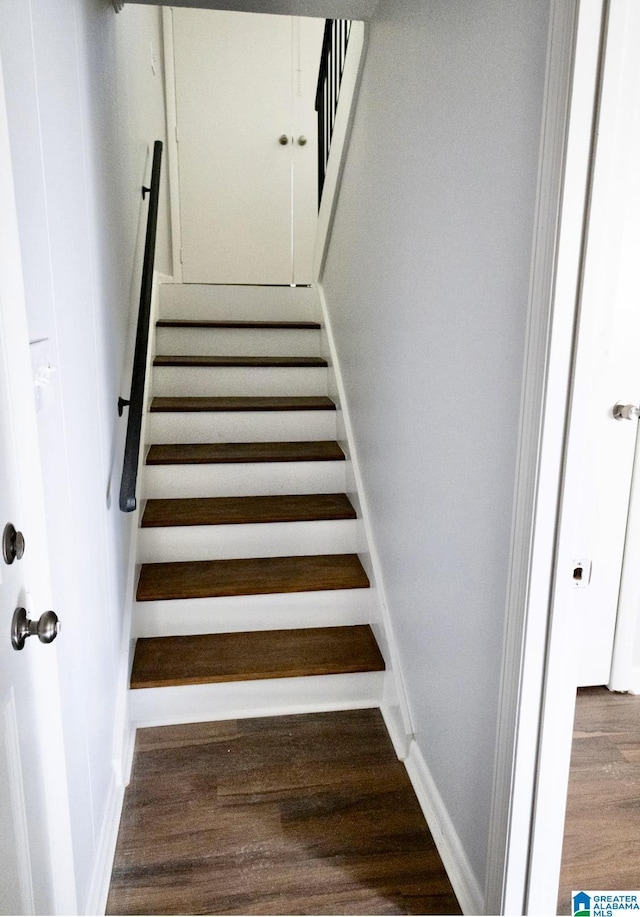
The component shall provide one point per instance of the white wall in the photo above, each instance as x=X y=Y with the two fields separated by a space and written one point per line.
x=426 y=282
x=80 y=127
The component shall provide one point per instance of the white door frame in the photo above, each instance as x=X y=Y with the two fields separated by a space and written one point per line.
x=618 y=120
x=538 y=681
x=565 y=158
x=172 y=141
x=625 y=672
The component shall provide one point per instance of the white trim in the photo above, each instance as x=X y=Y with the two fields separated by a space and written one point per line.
x=454 y=859
x=16 y=787
x=624 y=675
x=394 y=706
x=105 y=850
x=345 y=112
x=574 y=36
x=617 y=113
x=632 y=681
x=172 y=142
x=247 y=699
x=392 y=715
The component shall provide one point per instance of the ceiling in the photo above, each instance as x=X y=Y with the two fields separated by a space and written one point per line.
x=323 y=9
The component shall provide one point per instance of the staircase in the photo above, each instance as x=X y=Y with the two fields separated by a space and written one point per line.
x=251 y=598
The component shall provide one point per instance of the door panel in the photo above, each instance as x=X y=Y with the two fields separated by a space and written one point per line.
x=16 y=890
x=607 y=366
x=239 y=88
x=32 y=775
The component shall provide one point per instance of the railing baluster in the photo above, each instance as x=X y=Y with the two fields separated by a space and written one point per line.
x=332 y=60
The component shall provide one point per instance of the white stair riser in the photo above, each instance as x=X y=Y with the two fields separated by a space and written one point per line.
x=236 y=380
x=266 y=697
x=250 y=342
x=236 y=614
x=240 y=426
x=244 y=480
x=219 y=542
x=243 y=303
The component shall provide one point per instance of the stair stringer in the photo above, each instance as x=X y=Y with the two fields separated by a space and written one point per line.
x=394 y=705
x=125 y=729
x=268 y=697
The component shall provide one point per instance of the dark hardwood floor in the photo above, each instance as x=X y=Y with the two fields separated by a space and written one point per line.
x=602 y=829
x=307 y=814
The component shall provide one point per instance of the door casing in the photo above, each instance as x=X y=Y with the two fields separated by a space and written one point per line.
x=539 y=675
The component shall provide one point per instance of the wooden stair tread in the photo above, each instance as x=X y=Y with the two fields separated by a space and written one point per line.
x=246 y=510
x=250 y=576
x=217 y=361
x=198 y=323
x=227 y=453
x=214 y=658
x=243 y=403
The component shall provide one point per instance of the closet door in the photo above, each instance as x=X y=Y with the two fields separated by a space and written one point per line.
x=242 y=82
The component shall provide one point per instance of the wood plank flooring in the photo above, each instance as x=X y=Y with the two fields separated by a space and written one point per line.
x=602 y=828
x=224 y=453
x=289 y=815
x=214 y=658
x=250 y=576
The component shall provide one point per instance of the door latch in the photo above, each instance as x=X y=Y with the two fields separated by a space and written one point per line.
x=581 y=572
x=625 y=411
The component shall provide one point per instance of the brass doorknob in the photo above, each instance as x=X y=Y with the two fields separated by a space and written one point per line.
x=283 y=139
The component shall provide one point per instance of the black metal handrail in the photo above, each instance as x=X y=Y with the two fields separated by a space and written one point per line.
x=136 y=398
x=332 y=58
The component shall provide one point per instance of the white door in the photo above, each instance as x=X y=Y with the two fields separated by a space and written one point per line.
x=608 y=358
x=32 y=780
x=247 y=156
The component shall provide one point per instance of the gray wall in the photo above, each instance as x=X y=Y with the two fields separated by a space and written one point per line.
x=426 y=283
x=83 y=105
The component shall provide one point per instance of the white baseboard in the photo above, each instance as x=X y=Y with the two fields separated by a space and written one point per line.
x=633 y=686
x=393 y=720
x=461 y=876
x=105 y=849
x=126 y=762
